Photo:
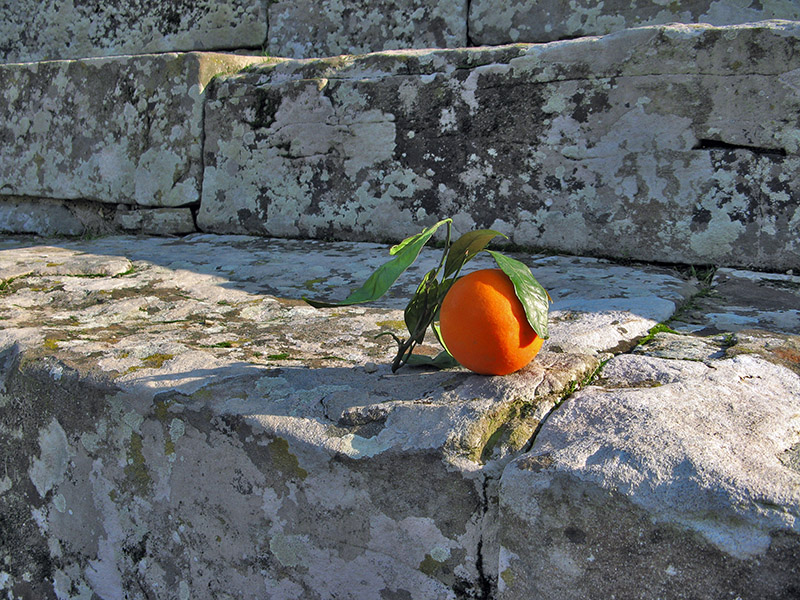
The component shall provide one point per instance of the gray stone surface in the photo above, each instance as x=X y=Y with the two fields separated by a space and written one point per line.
x=305 y=29
x=53 y=217
x=669 y=479
x=117 y=130
x=31 y=30
x=513 y=21
x=664 y=143
x=43 y=216
x=156 y=221
x=178 y=420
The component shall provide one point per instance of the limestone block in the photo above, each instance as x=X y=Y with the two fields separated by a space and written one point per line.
x=514 y=21
x=304 y=28
x=125 y=129
x=672 y=143
x=169 y=425
x=669 y=479
x=156 y=221
x=57 y=29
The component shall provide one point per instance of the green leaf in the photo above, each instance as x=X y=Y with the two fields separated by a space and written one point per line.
x=438 y=333
x=425 y=233
x=422 y=305
x=533 y=296
x=380 y=281
x=466 y=247
x=443 y=360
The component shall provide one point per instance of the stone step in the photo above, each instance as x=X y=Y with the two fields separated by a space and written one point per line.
x=174 y=419
x=673 y=143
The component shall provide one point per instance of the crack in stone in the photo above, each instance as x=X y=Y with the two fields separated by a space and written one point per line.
x=709 y=144
x=484 y=586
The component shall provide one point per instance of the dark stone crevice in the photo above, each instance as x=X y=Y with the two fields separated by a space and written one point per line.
x=709 y=144
x=485 y=587
x=468 y=34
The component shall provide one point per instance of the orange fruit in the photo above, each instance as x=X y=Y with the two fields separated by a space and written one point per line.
x=483 y=324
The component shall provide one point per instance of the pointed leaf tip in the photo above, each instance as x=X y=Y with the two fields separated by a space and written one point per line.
x=530 y=292
x=405 y=253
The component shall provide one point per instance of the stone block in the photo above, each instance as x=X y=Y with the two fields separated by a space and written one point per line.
x=116 y=130
x=667 y=479
x=515 y=21
x=58 y=29
x=671 y=143
x=304 y=28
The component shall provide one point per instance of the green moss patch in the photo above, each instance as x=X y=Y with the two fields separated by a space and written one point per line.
x=285 y=461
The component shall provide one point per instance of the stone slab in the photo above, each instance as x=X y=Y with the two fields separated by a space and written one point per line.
x=667 y=479
x=667 y=143
x=306 y=29
x=32 y=31
x=198 y=428
x=597 y=305
x=116 y=130
x=514 y=21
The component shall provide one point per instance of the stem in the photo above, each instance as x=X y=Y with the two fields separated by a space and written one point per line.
x=446 y=248
x=406 y=347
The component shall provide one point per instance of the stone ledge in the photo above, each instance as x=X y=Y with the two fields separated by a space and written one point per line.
x=669 y=478
x=179 y=420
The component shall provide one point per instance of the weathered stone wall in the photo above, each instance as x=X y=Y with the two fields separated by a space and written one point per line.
x=58 y=29
x=674 y=143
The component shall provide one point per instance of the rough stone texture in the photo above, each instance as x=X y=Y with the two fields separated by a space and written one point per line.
x=172 y=428
x=156 y=221
x=512 y=21
x=125 y=129
x=669 y=479
x=31 y=30
x=53 y=217
x=305 y=29
x=674 y=143
x=738 y=299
